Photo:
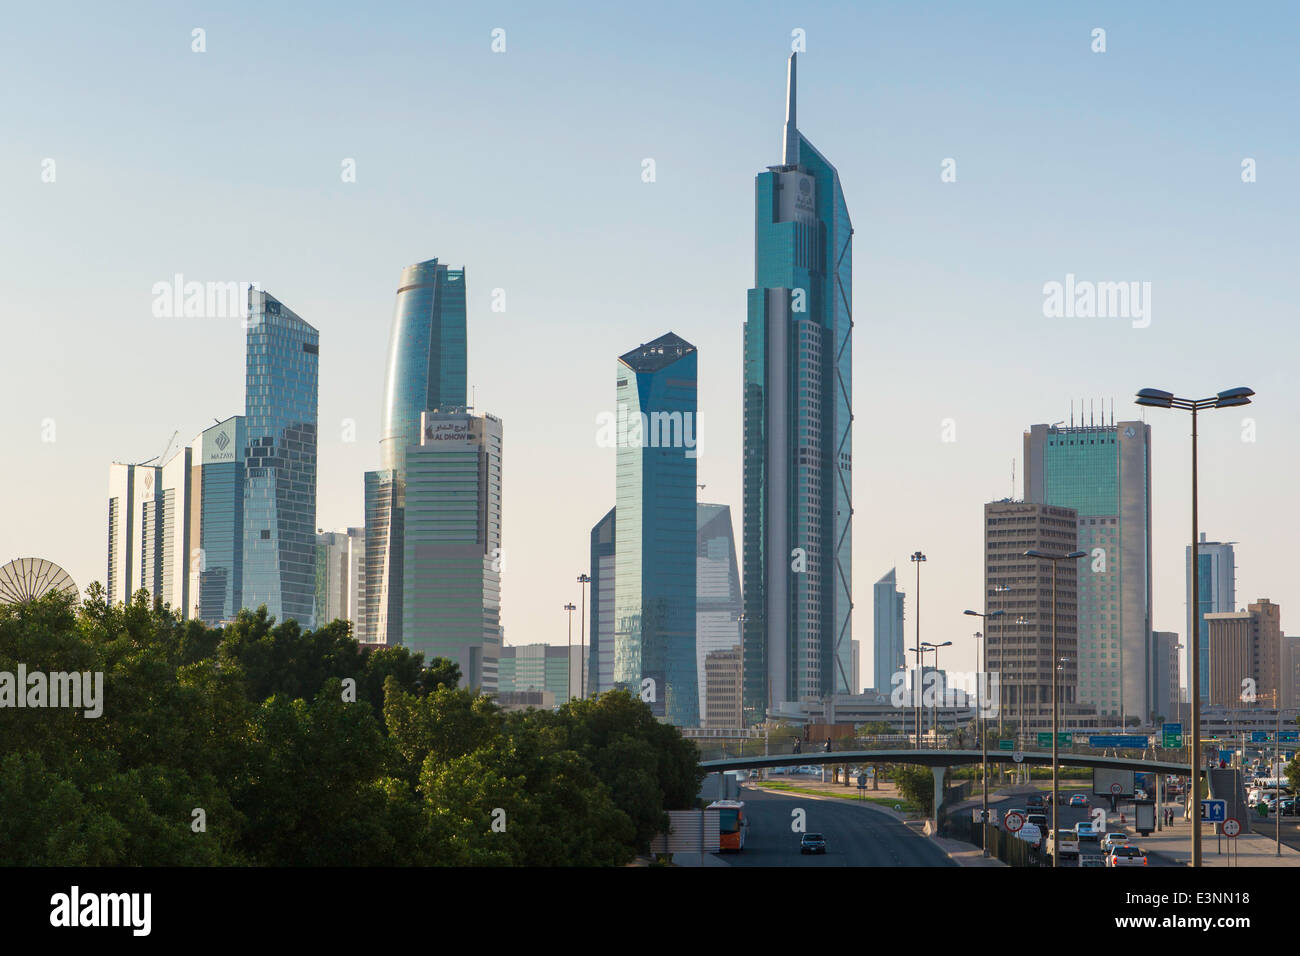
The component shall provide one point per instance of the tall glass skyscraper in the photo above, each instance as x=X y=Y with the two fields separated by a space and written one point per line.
x=1103 y=472
x=798 y=448
x=426 y=369
x=654 y=553
x=889 y=652
x=283 y=362
x=1216 y=564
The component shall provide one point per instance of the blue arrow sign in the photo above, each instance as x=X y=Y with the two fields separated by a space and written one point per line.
x=1214 y=811
x=1132 y=741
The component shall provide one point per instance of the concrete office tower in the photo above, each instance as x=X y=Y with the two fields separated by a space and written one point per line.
x=451 y=590
x=798 y=450
x=280 y=462
x=600 y=627
x=1019 y=642
x=426 y=369
x=722 y=672
x=149 y=522
x=1217 y=569
x=1249 y=657
x=655 y=535
x=1165 y=696
x=1103 y=472
x=218 y=591
x=890 y=654
x=718 y=603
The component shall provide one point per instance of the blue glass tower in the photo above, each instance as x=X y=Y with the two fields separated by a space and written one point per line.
x=654 y=552
x=221 y=450
x=889 y=652
x=798 y=447
x=279 y=518
x=426 y=369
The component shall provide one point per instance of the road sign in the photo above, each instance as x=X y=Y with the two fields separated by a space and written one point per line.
x=1062 y=739
x=1167 y=729
x=1117 y=788
x=1006 y=745
x=1231 y=827
x=1259 y=736
x=1215 y=811
x=1171 y=736
x=1018 y=756
x=862 y=781
x=1288 y=736
x=1014 y=821
x=1129 y=741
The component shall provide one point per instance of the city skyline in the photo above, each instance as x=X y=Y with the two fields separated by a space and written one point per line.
x=921 y=329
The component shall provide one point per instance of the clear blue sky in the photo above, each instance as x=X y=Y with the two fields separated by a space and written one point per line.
x=526 y=168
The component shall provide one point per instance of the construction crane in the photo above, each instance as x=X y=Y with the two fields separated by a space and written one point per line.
x=161 y=459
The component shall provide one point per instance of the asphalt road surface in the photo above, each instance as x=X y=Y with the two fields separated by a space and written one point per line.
x=855 y=835
x=1068 y=816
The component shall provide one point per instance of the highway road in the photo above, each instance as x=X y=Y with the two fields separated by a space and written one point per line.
x=1069 y=816
x=855 y=835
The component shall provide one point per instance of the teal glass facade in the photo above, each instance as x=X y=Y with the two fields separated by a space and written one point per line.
x=426 y=356
x=221 y=521
x=283 y=357
x=798 y=448
x=654 y=576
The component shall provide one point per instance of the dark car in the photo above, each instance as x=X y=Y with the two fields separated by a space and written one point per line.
x=812 y=843
x=1034 y=800
x=1078 y=800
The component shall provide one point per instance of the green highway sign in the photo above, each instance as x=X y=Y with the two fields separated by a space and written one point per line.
x=1006 y=745
x=1062 y=739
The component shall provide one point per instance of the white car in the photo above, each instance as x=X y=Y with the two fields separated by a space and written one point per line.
x=1031 y=835
x=1112 y=839
x=1126 y=855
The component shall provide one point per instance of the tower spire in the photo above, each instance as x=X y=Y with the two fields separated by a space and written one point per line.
x=791 y=154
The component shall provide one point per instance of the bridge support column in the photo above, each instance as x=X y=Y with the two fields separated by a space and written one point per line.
x=938 y=793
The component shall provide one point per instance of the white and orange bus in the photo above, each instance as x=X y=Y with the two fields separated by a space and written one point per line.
x=732 y=823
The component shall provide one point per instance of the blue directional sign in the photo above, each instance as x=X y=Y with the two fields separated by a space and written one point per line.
x=1214 y=811
x=1118 y=740
x=1259 y=736
x=1288 y=736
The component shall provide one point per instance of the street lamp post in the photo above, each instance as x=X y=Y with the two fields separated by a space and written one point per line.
x=568 y=660
x=920 y=653
x=937 y=676
x=979 y=708
x=918 y=558
x=1155 y=398
x=1056 y=767
x=584 y=580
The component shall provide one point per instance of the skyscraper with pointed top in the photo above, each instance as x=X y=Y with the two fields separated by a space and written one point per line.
x=798 y=447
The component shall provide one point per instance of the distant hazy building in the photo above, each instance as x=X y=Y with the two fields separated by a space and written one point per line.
x=1103 y=472
x=722 y=674
x=890 y=655
x=283 y=359
x=538 y=667
x=798 y=438
x=718 y=602
x=1216 y=567
x=332 y=553
x=451 y=589
x=1019 y=642
x=655 y=536
x=1165 y=691
x=600 y=628
x=426 y=369
x=121 y=579
x=1248 y=656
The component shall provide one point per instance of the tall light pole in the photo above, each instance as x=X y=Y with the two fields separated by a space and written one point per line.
x=583 y=580
x=568 y=660
x=1056 y=766
x=918 y=558
x=979 y=709
x=920 y=653
x=1155 y=398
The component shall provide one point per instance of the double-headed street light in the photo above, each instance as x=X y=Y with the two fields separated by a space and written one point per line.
x=1056 y=783
x=918 y=558
x=937 y=677
x=1230 y=398
x=583 y=580
x=919 y=687
x=979 y=712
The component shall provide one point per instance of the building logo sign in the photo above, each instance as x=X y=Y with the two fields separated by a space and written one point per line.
x=219 y=448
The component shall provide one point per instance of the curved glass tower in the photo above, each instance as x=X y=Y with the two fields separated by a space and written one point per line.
x=798 y=448
x=426 y=369
x=426 y=356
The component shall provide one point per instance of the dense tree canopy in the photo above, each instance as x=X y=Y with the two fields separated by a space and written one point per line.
x=261 y=743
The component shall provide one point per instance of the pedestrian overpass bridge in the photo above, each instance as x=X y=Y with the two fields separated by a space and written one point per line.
x=944 y=759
